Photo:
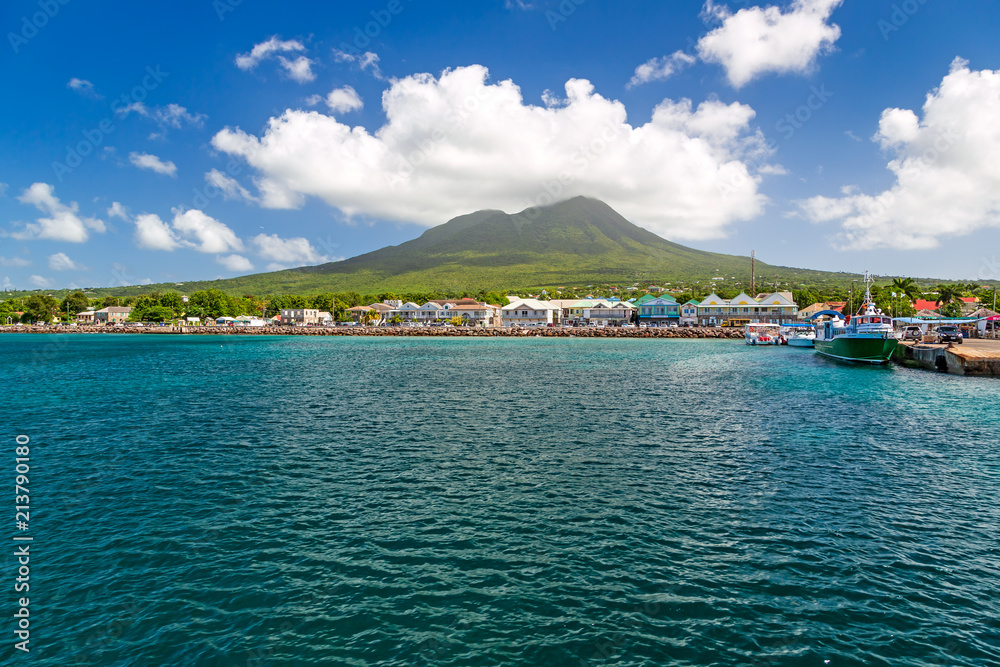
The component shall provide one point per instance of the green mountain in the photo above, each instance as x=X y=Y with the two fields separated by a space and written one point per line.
x=573 y=243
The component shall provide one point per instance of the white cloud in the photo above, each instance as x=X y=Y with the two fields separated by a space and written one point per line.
x=946 y=165
x=264 y=50
x=658 y=69
x=14 y=261
x=3 y=189
x=84 y=88
x=154 y=234
x=153 y=163
x=61 y=262
x=172 y=115
x=294 y=252
x=40 y=281
x=204 y=233
x=456 y=144
x=756 y=41
x=342 y=100
x=298 y=70
x=364 y=61
x=63 y=223
x=116 y=210
x=235 y=263
x=189 y=229
x=229 y=186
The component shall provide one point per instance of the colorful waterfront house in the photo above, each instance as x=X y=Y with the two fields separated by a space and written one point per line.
x=530 y=313
x=659 y=311
x=607 y=313
x=642 y=299
x=300 y=316
x=776 y=308
x=357 y=313
x=809 y=311
x=86 y=317
x=428 y=312
x=112 y=315
x=409 y=311
x=689 y=313
x=712 y=310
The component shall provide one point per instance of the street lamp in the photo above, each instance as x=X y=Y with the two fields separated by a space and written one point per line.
x=852 y=297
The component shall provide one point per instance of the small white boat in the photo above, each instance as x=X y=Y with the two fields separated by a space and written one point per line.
x=798 y=334
x=762 y=334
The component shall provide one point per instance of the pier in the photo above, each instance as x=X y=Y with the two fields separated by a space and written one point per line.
x=972 y=357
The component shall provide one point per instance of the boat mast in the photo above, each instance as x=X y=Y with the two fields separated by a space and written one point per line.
x=868 y=292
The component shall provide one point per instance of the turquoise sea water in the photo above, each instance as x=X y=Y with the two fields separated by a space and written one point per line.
x=333 y=501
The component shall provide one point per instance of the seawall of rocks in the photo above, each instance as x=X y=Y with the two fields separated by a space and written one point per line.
x=448 y=332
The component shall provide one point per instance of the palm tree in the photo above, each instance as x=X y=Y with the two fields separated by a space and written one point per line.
x=906 y=286
x=947 y=294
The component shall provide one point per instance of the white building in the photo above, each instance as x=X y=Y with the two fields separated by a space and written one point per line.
x=300 y=316
x=774 y=308
x=530 y=313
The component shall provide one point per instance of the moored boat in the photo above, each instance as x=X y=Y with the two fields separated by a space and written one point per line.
x=756 y=333
x=867 y=337
x=799 y=334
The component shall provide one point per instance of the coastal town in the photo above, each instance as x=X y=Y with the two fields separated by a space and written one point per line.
x=656 y=308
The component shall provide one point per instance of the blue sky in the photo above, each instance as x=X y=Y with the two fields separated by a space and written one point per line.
x=152 y=142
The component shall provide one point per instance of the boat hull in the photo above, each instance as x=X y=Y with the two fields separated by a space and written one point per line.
x=800 y=342
x=860 y=349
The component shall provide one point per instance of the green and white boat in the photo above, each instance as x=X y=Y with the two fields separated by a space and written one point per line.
x=867 y=337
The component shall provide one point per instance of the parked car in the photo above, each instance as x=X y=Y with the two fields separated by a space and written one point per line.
x=949 y=334
x=913 y=333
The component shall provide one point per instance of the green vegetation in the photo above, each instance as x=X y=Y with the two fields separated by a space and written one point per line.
x=574 y=249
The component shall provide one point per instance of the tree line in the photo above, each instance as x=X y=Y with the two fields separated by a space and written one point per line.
x=213 y=303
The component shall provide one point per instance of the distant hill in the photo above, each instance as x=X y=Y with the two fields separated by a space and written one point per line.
x=577 y=242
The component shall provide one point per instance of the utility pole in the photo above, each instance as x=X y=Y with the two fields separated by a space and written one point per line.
x=753 y=272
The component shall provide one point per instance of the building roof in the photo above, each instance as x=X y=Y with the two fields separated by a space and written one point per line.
x=924 y=304
x=531 y=304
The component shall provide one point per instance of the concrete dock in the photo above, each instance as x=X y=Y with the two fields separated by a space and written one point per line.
x=972 y=357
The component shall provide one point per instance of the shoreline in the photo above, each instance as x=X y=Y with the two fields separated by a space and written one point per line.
x=541 y=332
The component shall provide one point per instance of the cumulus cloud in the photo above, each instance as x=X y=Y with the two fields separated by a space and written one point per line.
x=84 y=88
x=116 y=210
x=236 y=263
x=63 y=222
x=204 y=233
x=228 y=186
x=365 y=61
x=946 y=167
x=287 y=252
x=153 y=163
x=14 y=261
x=188 y=229
x=756 y=41
x=658 y=69
x=456 y=144
x=40 y=281
x=299 y=69
x=61 y=262
x=342 y=100
x=154 y=234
